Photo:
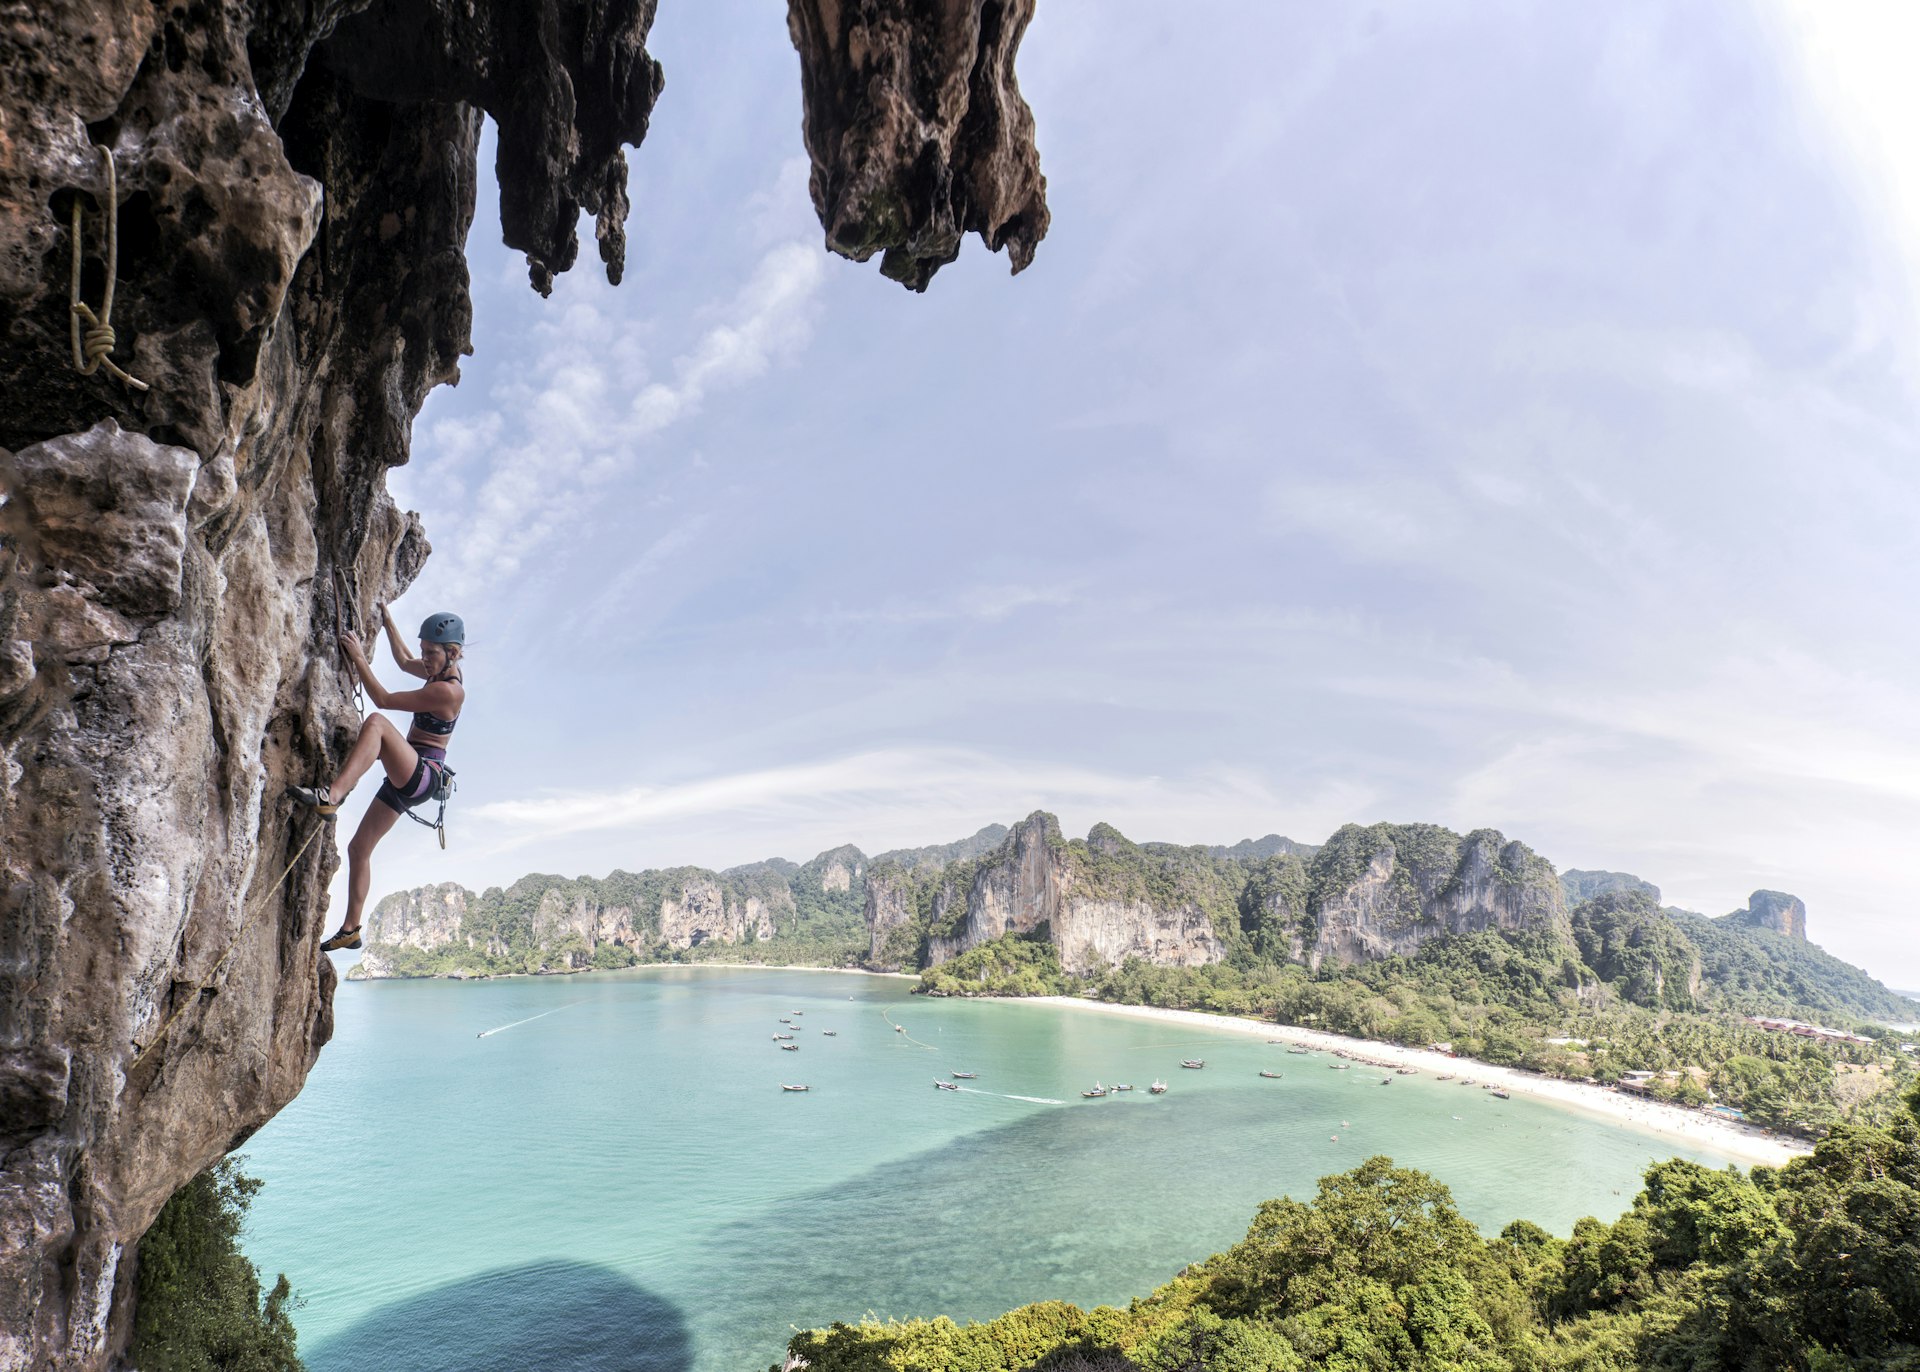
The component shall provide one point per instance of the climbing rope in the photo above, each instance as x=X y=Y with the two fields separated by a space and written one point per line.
x=90 y=351
x=246 y=919
x=346 y=668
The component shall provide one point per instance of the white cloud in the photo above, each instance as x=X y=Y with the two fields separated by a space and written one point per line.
x=768 y=318
x=784 y=209
x=570 y=433
x=1856 y=61
x=898 y=796
x=987 y=604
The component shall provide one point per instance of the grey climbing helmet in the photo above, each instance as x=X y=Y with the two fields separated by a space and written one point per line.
x=443 y=628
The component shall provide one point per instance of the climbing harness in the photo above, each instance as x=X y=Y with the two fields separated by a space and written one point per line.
x=443 y=789
x=90 y=352
x=339 y=628
x=145 y=1051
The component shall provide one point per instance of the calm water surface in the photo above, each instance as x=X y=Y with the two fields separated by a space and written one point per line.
x=620 y=1183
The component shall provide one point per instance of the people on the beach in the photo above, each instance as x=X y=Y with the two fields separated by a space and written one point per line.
x=414 y=762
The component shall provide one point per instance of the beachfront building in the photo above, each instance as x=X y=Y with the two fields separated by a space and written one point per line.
x=1801 y=1029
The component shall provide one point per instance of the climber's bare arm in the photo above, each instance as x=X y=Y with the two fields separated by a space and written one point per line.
x=402 y=658
x=442 y=698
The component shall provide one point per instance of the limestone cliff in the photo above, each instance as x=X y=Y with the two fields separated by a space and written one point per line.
x=1367 y=893
x=705 y=913
x=1083 y=896
x=295 y=182
x=1775 y=911
x=1386 y=889
x=546 y=924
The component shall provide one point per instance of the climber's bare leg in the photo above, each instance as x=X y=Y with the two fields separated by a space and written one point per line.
x=380 y=742
x=380 y=818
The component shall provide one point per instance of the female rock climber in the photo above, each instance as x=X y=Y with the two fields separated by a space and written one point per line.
x=414 y=761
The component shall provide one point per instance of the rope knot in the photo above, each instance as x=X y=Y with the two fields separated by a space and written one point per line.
x=91 y=350
x=97 y=341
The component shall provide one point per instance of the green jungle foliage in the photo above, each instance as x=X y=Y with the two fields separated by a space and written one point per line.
x=1807 y=1268
x=1635 y=988
x=1500 y=997
x=198 y=1306
x=1011 y=965
x=503 y=932
x=1758 y=971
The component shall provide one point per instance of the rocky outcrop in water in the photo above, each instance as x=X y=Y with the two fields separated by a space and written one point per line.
x=294 y=186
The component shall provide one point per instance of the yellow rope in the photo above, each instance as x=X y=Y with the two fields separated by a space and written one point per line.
x=245 y=919
x=90 y=352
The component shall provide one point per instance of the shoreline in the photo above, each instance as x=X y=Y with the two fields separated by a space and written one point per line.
x=636 y=967
x=1745 y=1143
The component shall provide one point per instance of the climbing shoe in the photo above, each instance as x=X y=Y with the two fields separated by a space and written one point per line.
x=346 y=938
x=316 y=797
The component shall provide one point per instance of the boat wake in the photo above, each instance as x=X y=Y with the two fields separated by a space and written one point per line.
x=901 y=1030
x=1001 y=1095
x=501 y=1029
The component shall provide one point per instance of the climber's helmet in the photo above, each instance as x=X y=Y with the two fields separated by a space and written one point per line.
x=443 y=628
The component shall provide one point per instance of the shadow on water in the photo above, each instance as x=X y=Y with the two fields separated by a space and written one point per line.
x=542 y=1318
x=1015 y=1212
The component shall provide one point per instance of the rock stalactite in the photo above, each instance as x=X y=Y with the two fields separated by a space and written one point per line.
x=295 y=186
x=917 y=130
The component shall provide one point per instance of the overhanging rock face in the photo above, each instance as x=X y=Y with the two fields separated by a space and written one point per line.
x=295 y=186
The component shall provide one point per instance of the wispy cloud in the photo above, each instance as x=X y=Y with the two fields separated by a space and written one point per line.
x=987 y=604
x=768 y=319
x=886 y=797
x=574 y=420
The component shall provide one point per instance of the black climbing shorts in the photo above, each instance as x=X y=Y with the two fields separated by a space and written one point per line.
x=420 y=786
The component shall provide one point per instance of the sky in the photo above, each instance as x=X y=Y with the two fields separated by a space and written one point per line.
x=1494 y=415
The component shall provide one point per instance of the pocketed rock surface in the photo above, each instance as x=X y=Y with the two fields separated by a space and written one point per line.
x=295 y=184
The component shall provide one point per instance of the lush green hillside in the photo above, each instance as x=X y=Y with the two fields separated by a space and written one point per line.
x=1254 y=849
x=1584 y=886
x=1266 y=899
x=1808 y=1268
x=503 y=930
x=1756 y=970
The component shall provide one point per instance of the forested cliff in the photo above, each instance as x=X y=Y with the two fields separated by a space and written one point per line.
x=1372 y=895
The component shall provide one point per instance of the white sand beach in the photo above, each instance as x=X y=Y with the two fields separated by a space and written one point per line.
x=1742 y=1142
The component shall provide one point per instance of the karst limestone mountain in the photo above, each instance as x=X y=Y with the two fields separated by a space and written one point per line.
x=1369 y=892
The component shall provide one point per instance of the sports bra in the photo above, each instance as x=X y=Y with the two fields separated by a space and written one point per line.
x=433 y=724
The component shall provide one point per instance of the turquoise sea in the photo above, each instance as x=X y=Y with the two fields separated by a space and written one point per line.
x=602 y=1172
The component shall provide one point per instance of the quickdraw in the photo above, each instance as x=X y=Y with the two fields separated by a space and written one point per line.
x=443 y=788
x=339 y=628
